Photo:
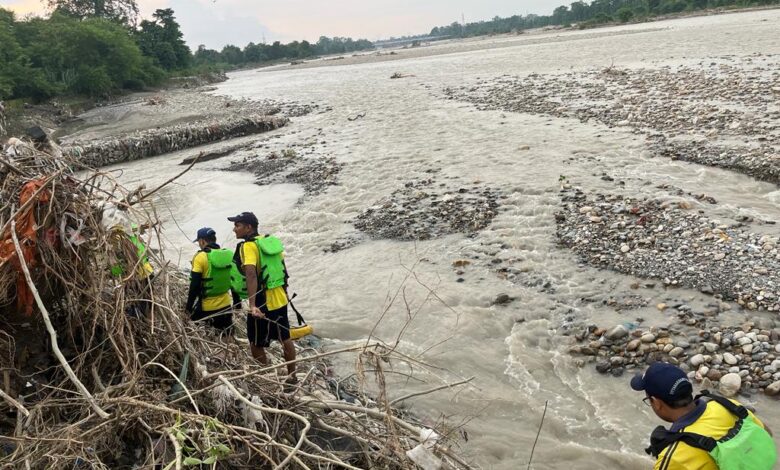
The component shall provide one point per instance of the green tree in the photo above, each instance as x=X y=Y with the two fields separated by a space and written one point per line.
x=92 y=56
x=232 y=55
x=625 y=14
x=18 y=78
x=161 y=39
x=124 y=11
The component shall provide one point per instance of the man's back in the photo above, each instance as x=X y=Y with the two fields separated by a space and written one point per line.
x=709 y=419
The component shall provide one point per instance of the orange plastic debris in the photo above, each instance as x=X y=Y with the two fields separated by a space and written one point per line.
x=26 y=231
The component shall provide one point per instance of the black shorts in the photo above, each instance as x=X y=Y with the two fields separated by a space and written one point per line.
x=221 y=319
x=275 y=326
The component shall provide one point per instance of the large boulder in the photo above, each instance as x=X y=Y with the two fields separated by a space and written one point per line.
x=617 y=333
x=730 y=385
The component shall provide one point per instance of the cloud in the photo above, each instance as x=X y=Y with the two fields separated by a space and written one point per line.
x=215 y=24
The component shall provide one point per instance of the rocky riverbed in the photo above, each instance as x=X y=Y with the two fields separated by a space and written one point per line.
x=314 y=173
x=425 y=208
x=720 y=112
x=672 y=242
x=732 y=360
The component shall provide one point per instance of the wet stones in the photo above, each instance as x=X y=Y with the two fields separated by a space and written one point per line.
x=617 y=333
x=709 y=354
x=679 y=247
x=425 y=209
x=315 y=174
x=730 y=384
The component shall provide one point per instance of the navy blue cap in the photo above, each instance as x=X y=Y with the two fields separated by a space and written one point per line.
x=204 y=233
x=245 y=217
x=663 y=380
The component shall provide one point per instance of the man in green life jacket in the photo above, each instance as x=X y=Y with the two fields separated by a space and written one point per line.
x=708 y=432
x=210 y=298
x=261 y=259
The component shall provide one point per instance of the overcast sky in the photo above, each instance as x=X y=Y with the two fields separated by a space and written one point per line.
x=219 y=22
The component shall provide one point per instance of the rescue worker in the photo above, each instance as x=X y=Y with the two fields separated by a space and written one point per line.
x=261 y=259
x=708 y=432
x=210 y=297
x=131 y=254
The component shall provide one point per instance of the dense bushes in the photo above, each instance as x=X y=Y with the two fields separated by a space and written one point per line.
x=41 y=58
x=87 y=48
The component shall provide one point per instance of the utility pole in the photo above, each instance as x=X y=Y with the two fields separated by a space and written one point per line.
x=463 y=19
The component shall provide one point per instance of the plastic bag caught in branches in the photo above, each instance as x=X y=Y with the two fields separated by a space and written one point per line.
x=125 y=11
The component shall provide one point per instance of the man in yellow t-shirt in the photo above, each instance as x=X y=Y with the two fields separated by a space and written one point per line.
x=670 y=393
x=267 y=319
x=217 y=309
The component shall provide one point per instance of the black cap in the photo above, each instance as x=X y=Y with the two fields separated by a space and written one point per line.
x=664 y=381
x=245 y=217
x=205 y=233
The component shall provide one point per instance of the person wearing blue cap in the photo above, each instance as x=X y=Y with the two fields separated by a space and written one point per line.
x=210 y=298
x=708 y=432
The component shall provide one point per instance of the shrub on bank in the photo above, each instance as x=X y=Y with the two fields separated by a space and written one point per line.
x=42 y=58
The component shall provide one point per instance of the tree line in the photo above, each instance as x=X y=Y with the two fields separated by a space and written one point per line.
x=252 y=53
x=590 y=14
x=98 y=47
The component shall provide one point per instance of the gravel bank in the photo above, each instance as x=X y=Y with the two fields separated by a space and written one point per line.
x=720 y=112
x=733 y=360
x=424 y=209
x=314 y=173
x=673 y=243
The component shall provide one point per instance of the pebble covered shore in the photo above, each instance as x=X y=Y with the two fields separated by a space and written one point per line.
x=680 y=247
x=722 y=112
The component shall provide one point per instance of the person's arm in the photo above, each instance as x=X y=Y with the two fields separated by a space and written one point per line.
x=196 y=281
x=250 y=271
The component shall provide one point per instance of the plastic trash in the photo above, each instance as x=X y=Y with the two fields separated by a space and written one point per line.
x=429 y=438
x=113 y=217
x=424 y=458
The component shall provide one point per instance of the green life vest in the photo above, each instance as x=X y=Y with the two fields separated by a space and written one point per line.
x=272 y=272
x=238 y=281
x=746 y=446
x=117 y=270
x=140 y=247
x=217 y=279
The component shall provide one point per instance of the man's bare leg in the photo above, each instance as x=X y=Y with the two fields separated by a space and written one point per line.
x=259 y=354
x=288 y=348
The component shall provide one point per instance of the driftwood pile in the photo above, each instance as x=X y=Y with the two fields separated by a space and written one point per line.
x=101 y=369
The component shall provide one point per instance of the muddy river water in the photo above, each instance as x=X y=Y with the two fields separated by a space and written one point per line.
x=410 y=131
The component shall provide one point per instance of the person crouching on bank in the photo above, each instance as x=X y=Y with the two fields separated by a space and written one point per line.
x=708 y=432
